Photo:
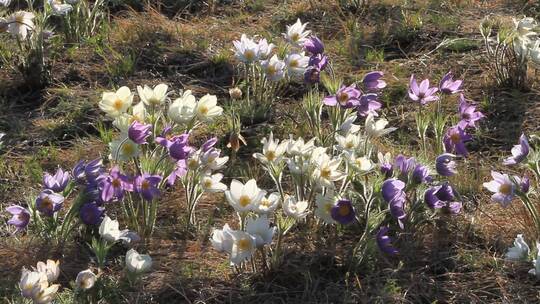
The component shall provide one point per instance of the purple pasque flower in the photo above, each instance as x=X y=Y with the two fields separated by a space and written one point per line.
x=503 y=188
x=318 y=61
x=421 y=175
x=92 y=213
x=49 y=202
x=343 y=212
x=314 y=45
x=442 y=197
x=525 y=184
x=346 y=97
x=423 y=93
x=454 y=141
x=369 y=104
x=404 y=164
x=392 y=192
x=445 y=164
x=139 y=132
x=147 y=186
x=384 y=242
x=468 y=114
x=177 y=146
x=209 y=144
x=87 y=172
x=448 y=85
x=372 y=81
x=179 y=171
x=312 y=75
x=519 y=152
x=20 y=217
x=56 y=182
x=386 y=169
x=114 y=185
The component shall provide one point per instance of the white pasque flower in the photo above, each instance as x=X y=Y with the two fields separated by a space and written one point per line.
x=42 y=293
x=268 y=204
x=525 y=27
x=212 y=183
x=116 y=103
x=296 y=34
x=182 y=110
x=85 y=279
x=348 y=125
x=153 y=97
x=520 y=250
x=324 y=204
x=299 y=147
x=30 y=279
x=273 y=68
x=536 y=263
x=326 y=171
x=534 y=53
x=272 y=150
x=137 y=263
x=51 y=269
x=362 y=164
x=207 y=108
x=139 y=112
x=109 y=231
x=123 y=122
x=297 y=63
x=123 y=149
x=350 y=142
x=244 y=197
x=210 y=159
x=243 y=246
x=245 y=49
x=261 y=230
x=264 y=48
x=295 y=209
x=222 y=239
x=376 y=129
x=5 y=2
x=20 y=23
x=59 y=8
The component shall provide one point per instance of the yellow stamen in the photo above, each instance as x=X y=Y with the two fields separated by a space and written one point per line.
x=245 y=200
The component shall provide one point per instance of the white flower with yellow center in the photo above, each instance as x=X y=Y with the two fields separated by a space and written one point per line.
x=295 y=209
x=211 y=160
x=261 y=230
x=265 y=49
x=153 y=97
x=272 y=150
x=29 y=279
x=116 y=103
x=273 y=68
x=42 y=293
x=20 y=24
x=212 y=183
x=207 y=108
x=296 y=34
x=182 y=110
x=324 y=204
x=222 y=239
x=123 y=122
x=139 y=112
x=245 y=49
x=326 y=171
x=349 y=143
x=268 y=204
x=242 y=197
x=85 y=279
x=243 y=246
x=299 y=147
x=297 y=63
x=377 y=128
x=362 y=164
x=51 y=269
x=348 y=125
x=123 y=149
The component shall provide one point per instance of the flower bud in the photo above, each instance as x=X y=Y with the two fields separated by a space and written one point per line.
x=235 y=93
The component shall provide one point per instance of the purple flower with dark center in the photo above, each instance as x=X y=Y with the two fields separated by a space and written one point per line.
x=92 y=213
x=368 y=104
x=346 y=97
x=423 y=93
x=392 y=192
x=114 y=184
x=87 y=172
x=49 y=202
x=421 y=174
x=20 y=218
x=468 y=114
x=372 y=81
x=314 y=45
x=177 y=146
x=56 y=182
x=448 y=85
x=454 y=141
x=519 y=152
x=138 y=132
x=179 y=171
x=209 y=144
x=442 y=197
x=385 y=242
x=445 y=164
x=503 y=188
x=343 y=212
x=147 y=186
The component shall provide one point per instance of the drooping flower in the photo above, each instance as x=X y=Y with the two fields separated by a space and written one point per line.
x=244 y=197
x=207 y=109
x=296 y=63
x=222 y=239
x=520 y=251
x=343 y=212
x=519 y=152
x=423 y=93
x=49 y=202
x=56 y=182
x=182 y=110
x=295 y=209
x=503 y=188
x=372 y=81
x=153 y=97
x=454 y=141
x=346 y=97
x=297 y=34
x=268 y=204
x=468 y=114
x=246 y=50
x=377 y=128
x=261 y=230
x=138 y=132
x=147 y=186
x=448 y=85
x=91 y=213
x=20 y=217
x=123 y=149
x=137 y=263
x=368 y=105
x=272 y=150
x=445 y=164
x=85 y=279
x=243 y=246
x=51 y=269
x=274 y=68
x=20 y=24
x=384 y=242
x=116 y=103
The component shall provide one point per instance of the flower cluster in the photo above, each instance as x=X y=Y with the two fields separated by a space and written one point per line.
x=37 y=284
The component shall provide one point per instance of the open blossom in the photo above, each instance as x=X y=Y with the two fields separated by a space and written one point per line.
x=346 y=97
x=368 y=105
x=295 y=209
x=138 y=132
x=272 y=150
x=377 y=128
x=503 y=188
x=297 y=63
x=384 y=242
x=445 y=164
x=177 y=146
x=147 y=186
x=49 y=202
x=520 y=251
x=153 y=97
x=324 y=205
x=20 y=23
x=274 y=68
x=85 y=279
x=212 y=183
x=56 y=182
x=116 y=103
x=261 y=230
x=114 y=184
x=243 y=246
x=51 y=269
x=343 y=211
x=299 y=147
x=348 y=143
x=454 y=141
x=182 y=110
x=20 y=217
x=207 y=109
x=244 y=197
x=296 y=34
x=448 y=85
x=468 y=114
x=519 y=152
x=268 y=204
x=372 y=81
x=327 y=170
x=246 y=50
x=423 y=93
x=123 y=149
x=264 y=48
